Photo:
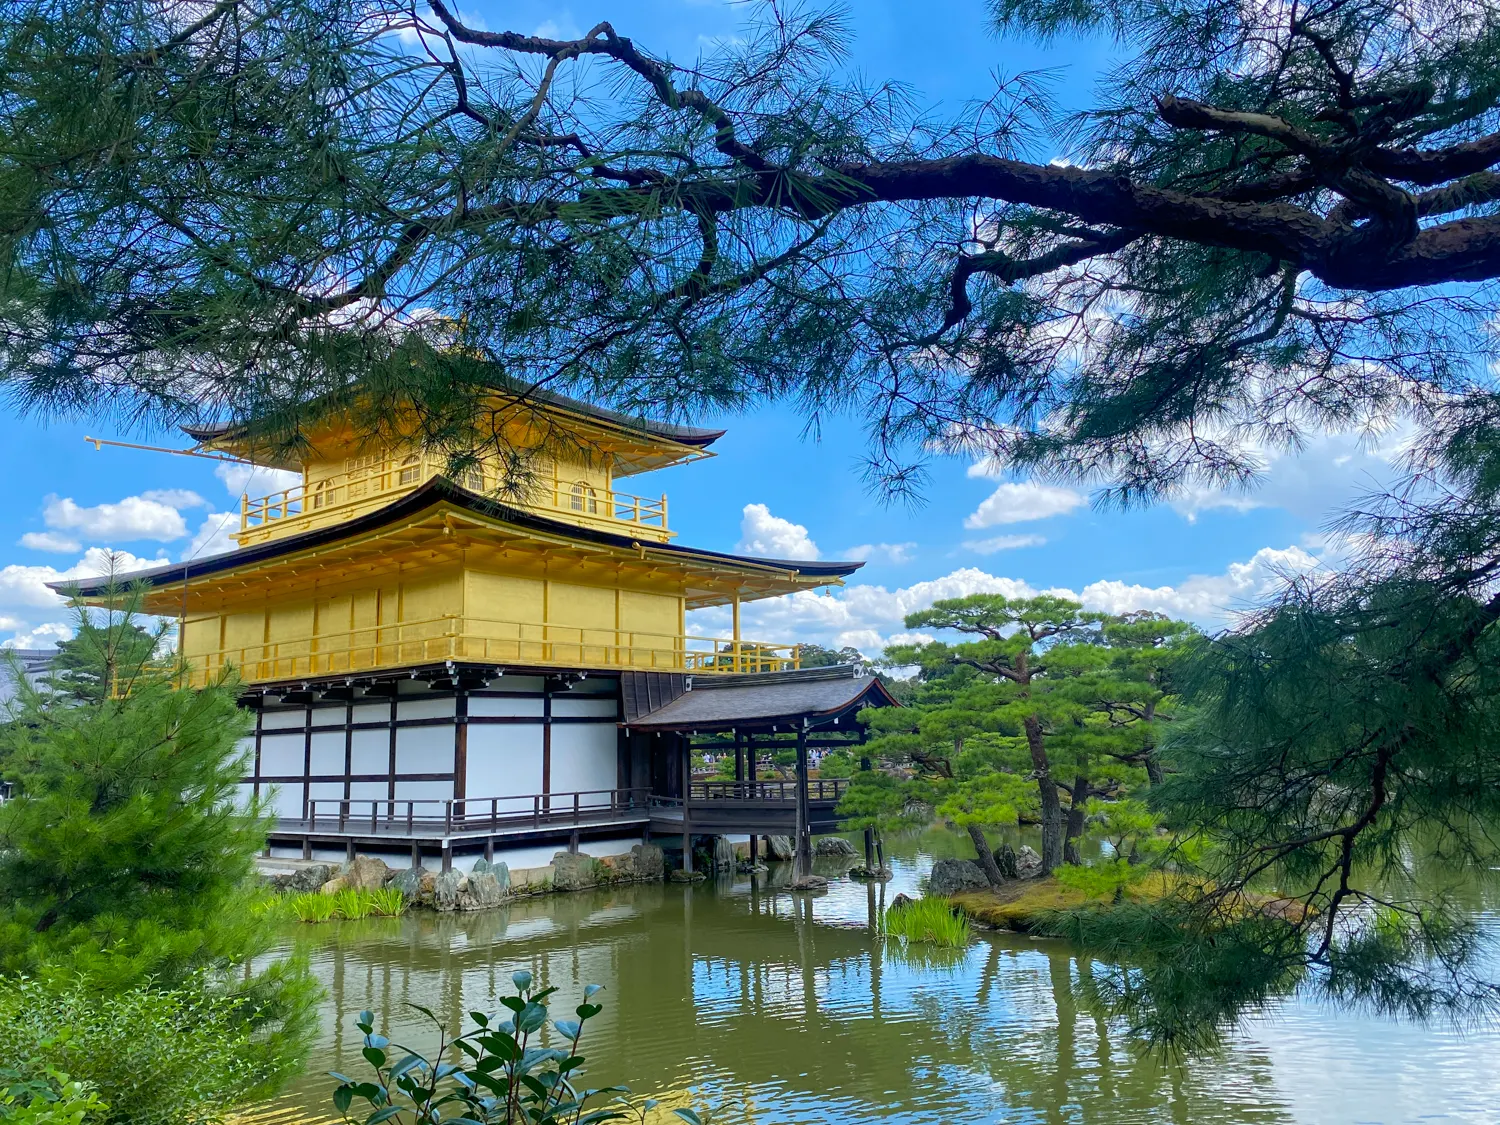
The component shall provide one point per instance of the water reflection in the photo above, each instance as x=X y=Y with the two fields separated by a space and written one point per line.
x=771 y=1007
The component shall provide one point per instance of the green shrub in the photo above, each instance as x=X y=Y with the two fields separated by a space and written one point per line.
x=314 y=906
x=352 y=904
x=930 y=920
x=153 y=1057
x=499 y=1073
x=388 y=902
x=51 y=1099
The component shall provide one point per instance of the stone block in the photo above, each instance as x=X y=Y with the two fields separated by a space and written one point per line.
x=445 y=889
x=779 y=847
x=952 y=876
x=480 y=891
x=334 y=885
x=366 y=873
x=723 y=854
x=833 y=845
x=409 y=882
x=649 y=860
x=573 y=871
x=310 y=878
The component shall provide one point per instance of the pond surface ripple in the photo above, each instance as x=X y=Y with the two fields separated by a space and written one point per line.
x=762 y=1006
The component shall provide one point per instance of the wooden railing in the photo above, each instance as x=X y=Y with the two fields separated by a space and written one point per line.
x=485 y=641
x=380 y=817
x=347 y=494
x=818 y=789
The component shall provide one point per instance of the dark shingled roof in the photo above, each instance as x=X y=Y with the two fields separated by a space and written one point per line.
x=432 y=492
x=714 y=701
x=669 y=431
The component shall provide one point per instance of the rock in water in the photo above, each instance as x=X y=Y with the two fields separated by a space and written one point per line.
x=334 y=885
x=366 y=873
x=953 y=876
x=809 y=883
x=1028 y=863
x=480 y=891
x=833 y=845
x=572 y=871
x=309 y=878
x=863 y=872
x=900 y=902
x=724 y=856
x=650 y=861
x=409 y=882
x=1005 y=860
x=445 y=890
x=779 y=847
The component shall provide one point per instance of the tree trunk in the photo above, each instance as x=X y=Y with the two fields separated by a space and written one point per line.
x=1080 y=792
x=1052 y=826
x=986 y=857
x=1153 y=767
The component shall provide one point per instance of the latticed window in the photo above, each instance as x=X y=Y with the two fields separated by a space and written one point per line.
x=472 y=478
x=411 y=468
x=319 y=493
x=585 y=499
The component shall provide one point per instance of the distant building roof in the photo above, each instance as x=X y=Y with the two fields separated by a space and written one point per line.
x=35 y=663
x=717 y=701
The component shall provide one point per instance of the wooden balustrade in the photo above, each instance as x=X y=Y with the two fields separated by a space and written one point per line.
x=818 y=789
x=457 y=815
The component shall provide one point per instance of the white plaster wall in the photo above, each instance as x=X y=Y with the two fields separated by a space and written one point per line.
x=439 y=708
x=281 y=720
x=328 y=752
x=585 y=756
x=571 y=706
x=527 y=706
x=504 y=760
x=285 y=800
x=424 y=750
x=281 y=755
x=370 y=751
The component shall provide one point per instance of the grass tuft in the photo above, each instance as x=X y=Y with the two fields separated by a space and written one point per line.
x=931 y=920
x=388 y=902
x=352 y=904
x=314 y=906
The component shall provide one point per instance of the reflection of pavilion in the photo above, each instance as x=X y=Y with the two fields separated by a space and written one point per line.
x=741 y=995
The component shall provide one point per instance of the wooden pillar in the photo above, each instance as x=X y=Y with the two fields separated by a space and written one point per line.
x=687 y=802
x=736 y=612
x=803 y=844
x=739 y=756
x=754 y=841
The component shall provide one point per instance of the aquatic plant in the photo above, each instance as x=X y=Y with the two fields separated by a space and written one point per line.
x=352 y=904
x=312 y=907
x=389 y=902
x=931 y=920
x=501 y=1076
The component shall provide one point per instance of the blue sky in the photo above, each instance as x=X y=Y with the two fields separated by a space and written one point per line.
x=771 y=490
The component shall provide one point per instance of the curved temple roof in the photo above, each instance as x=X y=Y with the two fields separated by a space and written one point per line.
x=669 y=431
x=759 y=700
x=436 y=491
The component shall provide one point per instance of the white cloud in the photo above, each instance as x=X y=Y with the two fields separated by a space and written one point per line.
x=254 y=480
x=179 y=498
x=213 y=536
x=1014 y=502
x=49 y=541
x=772 y=537
x=1003 y=543
x=135 y=517
x=869 y=617
x=1329 y=471
x=877 y=552
x=564 y=27
x=43 y=636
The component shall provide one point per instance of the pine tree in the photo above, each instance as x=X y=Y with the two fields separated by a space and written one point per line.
x=127 y=852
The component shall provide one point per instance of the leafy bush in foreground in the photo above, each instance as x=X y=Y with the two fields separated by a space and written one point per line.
x=506 y=1073
x=154 y=1057
x=52 y=1099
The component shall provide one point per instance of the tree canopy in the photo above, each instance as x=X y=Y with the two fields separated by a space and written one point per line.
x=1274 y=217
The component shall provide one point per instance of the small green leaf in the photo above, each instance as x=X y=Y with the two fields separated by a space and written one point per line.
x=522 y=980
x=374 y=1056
x=689 y=1116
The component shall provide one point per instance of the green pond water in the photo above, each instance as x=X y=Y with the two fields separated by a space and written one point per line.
x=762 y=1006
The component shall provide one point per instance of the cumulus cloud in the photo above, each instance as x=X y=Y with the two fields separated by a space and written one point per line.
x=213 y=536
x=254 y=480
x=880 y=552
x=1021 y=502
x=772 y=537
x=36 y=613
x=49 y=541
x=869 y=616
x=49 y=635
x=1003 y=543
x=148 y=516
